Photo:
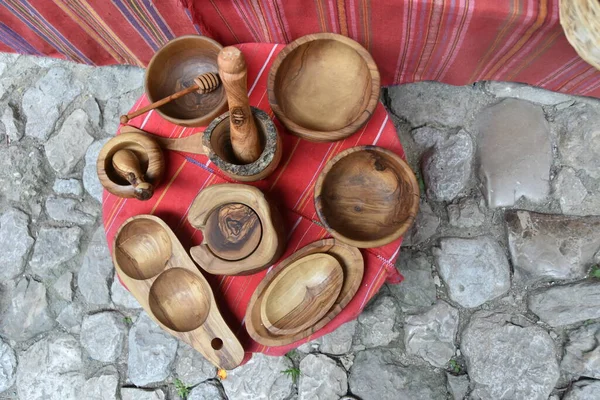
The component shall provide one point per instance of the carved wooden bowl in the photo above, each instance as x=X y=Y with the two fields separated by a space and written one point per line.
x=323 y=87
x=367 y=196
x=173 y=68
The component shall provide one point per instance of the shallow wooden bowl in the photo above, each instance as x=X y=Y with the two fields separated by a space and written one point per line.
x=352 y=264
x=156 y=269
x=367 y=196
x=302 y=294
x=173 y=68
x=323 y=87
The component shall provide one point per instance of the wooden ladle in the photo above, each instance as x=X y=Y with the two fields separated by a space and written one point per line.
x=301 y=294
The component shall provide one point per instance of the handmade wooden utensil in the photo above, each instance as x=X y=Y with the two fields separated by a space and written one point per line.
x=242 y=232
x=352 y=264
x=156 y=269
x=173 y=68
x=203 y=84
x=301 y=294
x=244 y=137
x=367 y=196
x=127 y=165
x=323 y=87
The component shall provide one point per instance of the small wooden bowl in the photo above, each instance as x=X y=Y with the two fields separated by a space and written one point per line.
x=352 y=264
x=323 y=87
x=173 y=68
x=367 y=196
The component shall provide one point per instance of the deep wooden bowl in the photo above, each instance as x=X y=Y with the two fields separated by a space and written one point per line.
x=367 y=196
x=173 y=68
x=323 y=87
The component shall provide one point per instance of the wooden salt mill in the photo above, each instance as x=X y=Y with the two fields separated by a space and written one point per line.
x=234 y=76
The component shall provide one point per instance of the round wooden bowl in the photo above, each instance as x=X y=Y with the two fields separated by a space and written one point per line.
x=173 y=68
x=367 y=196
x=323 y=87
x=580 y=20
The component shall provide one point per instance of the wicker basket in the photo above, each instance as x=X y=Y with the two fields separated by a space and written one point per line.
x=580 y=20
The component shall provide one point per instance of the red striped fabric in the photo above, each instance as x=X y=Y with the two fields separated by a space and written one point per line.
x=291 y=184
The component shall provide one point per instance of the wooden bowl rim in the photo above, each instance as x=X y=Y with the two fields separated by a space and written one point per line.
x=198 y=121
x=401 y=230
x=338 y=134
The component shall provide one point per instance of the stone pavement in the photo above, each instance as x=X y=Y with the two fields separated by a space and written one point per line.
x=502 y=292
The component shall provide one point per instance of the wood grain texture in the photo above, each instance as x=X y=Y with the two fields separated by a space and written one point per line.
x=272 y=241
x=146 y=151
x=367 y=196
x=156 y=269
x=323 y=87
x=301 y=294
x=174 y=68
x=190 y=144
x=352 y=264
x=127 y=165
x=234 y=75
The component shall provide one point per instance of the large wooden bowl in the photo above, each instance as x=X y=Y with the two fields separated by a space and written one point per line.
x=173 y=68
x=323 y=87
x=367 y=196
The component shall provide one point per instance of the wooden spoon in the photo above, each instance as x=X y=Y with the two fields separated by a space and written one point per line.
x=302 y=294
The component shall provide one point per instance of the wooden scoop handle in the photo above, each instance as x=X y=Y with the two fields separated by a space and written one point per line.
x=127 y=165
x=244 y=136
x=190 y=144
x=204 y=83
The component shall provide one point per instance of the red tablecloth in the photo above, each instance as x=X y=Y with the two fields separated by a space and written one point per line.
x=291 y=184
x=452 y=41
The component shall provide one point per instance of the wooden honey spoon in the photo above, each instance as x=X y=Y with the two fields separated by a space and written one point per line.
x=234 y=75
x=127 y=165
x=204 y=83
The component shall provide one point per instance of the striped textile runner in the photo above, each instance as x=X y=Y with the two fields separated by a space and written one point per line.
x=451 y=41
x=291 y=185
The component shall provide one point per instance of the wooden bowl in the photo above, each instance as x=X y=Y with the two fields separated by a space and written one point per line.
x=352 y=264
x=301 y=294
x=173 y=68
x=323 y=87
x=367 y=196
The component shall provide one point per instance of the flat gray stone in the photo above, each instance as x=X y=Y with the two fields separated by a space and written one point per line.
x=338 y=342
x=585 y=389
x=379 y=375
x=70 y=318
x=103 y=386
x=465 y=214
x=91 y=108
x=91 y=183
x=68 y=186
x=64 y=150
x=377 y=323
x=321 y=378
x=570 y=192
x=417 y=291
x=27 y=314
x=582 y=352
x=53 y=247
x=427 y=136
x=206 y=391
x=191 y=367
x=430 y=336
x=242 y=382
x=65 y=209
x=514 y=153
x=458 y=386
x=15 y=242
x=115 y=107
x=114 y=81
x=546 y=247
x=63 y=286
x=447 y=167
x=525 y=92
x=96 y=271
x=151 y=352
x=141 y=394
x=8 y=366
x=13 y=127
x=424 y=227
x=121 y=296
x=508 y=357
x=475 y=270
x=103 y=335
x=43 y=103
x=51 y=369
x=22 y=176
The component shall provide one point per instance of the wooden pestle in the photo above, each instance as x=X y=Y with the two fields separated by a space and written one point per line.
x=127 y=165
x=204 y=83
x=244 y=137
